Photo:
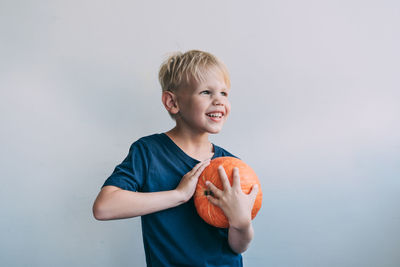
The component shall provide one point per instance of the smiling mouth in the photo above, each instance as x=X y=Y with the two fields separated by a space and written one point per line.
x=215 y=115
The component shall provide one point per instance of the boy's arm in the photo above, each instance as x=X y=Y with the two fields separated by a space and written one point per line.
x=237 y=207
x=240 y=238
x=116 y=203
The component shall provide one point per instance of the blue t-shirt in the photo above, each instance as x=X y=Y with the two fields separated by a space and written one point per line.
x=175 y=236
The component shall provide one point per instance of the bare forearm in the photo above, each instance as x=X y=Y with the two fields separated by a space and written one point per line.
x=115 y=203
x=240 y=238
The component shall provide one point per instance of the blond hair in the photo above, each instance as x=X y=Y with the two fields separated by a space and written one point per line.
x=179 y=68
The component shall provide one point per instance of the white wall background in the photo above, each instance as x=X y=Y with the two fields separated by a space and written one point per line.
x=315 y=111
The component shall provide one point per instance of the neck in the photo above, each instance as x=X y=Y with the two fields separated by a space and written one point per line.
x=195 y=145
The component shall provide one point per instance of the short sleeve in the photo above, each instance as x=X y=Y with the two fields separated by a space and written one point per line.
x=132 y=172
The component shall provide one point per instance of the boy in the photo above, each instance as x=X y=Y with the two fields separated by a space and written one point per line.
x=158 y=177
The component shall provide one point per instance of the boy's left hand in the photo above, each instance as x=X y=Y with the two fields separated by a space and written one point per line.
x=235 y=204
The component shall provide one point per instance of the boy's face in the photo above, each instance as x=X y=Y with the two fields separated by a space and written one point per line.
x=203 y=106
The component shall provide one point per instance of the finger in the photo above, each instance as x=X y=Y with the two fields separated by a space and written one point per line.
x=199 y=165
x=215 y=190
x=254 y=191
x=236 y=178
x=213 y=200
x=223 y=177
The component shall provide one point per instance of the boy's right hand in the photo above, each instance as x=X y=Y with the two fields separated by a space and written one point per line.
x=187 y=185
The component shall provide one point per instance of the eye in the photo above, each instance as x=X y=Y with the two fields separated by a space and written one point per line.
x=224 y=93
x=205 y=92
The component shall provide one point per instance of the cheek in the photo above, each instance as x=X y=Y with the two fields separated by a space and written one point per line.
x=228 y=107
x=227 y=110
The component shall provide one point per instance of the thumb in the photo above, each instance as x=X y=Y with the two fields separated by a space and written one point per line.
x=213 y=200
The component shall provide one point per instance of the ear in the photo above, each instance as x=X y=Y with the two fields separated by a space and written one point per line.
x=169 y=100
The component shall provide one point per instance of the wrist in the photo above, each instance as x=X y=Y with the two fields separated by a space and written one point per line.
x=180 y=196
x=240 y=225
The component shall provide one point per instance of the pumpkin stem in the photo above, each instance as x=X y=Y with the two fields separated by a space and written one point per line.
x=208 y=193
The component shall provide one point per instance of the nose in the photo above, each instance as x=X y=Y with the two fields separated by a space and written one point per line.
x=218 y=101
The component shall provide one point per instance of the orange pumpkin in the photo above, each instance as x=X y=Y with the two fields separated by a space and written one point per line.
x=212 y=214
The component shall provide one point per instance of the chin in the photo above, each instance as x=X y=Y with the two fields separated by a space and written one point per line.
x=214 y=131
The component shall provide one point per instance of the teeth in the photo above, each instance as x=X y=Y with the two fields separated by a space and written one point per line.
x=215 y=115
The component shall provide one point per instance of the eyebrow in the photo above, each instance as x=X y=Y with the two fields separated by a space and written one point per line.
x=213 y=88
